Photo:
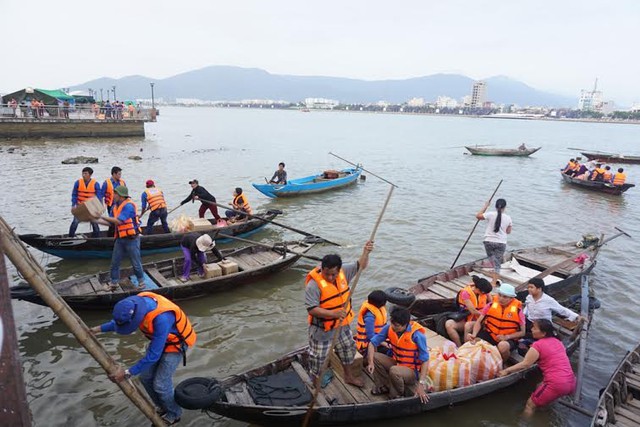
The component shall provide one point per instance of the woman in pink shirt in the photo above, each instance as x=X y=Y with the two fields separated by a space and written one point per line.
x=557 y=376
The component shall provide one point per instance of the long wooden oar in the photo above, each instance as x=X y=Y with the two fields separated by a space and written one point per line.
x=474 y=227
x=336 y=330
x=360 y=166
x=177 y=207
x=270 y=221
x=584 y=312
x=37 y=278
x=264 y=245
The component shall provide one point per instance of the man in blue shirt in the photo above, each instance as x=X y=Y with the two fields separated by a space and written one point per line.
x=156 y=317
x=406 y=371
x=127 y=235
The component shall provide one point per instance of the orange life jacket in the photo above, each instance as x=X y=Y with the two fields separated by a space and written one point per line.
x=405 y=350
x=502 y=321
x=332 y=297
x=596 y=172
x=129 y=227
x=240 y=203
x=380 y=320
x=108 y=191
x=155 y=198
x=186 y=335
x=619 y=178
x=86 y=191
x=607 y=176
x=478 y=301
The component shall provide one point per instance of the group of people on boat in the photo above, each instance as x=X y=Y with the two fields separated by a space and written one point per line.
x=593 y=171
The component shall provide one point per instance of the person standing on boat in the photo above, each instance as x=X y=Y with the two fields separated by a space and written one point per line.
x=200 y=193
x=471 y=300
x=84 y=189
x=125 y=219
x=499 y=224
x=194 y=246
x=109 y=185
x=329 y=306
x=372 y=317
x=158 y=206
x=171 y=334
x=280 y=176
x=239 y=203
x=406 y=371
x=551 y=356
x=502 y=322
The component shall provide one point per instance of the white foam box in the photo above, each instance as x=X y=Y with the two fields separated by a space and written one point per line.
x=90 y=210
x=228 y=267
x=212 y=270
x=201 y=224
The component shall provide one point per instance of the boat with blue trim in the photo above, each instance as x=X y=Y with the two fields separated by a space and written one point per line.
x=328 y=180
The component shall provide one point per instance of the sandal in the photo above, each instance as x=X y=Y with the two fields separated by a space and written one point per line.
x=380 y=390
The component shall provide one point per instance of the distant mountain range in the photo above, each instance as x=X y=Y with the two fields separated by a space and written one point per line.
x=218 y=83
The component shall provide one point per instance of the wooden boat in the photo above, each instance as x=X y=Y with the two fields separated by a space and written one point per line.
x=612 y=158
x=92 y=292
x=507 y=152
x=340 y=403
x=603 y=187
x=310 y=184
x=83 y=246
x=619 y=403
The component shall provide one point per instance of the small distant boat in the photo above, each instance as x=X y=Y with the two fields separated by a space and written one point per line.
x=612 y=158
x=83 y=246
x=328 y=180
x=92 y=292
x=506 y=152
x=619 y=403
x=603 y=187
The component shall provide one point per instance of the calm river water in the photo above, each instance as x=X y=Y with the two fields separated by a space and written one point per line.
x=429 y=217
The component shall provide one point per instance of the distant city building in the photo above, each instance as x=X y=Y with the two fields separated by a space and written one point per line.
x=383 y=104
x=446 y=102
x=608 y=107
x=416 y=102
x=466 y=101
x=321 y=103
x=635 y=108
x=478 y=94
x=590 y=100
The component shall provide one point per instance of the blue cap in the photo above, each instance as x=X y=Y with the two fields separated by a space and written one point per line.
x=128 y=314
x=507 y=290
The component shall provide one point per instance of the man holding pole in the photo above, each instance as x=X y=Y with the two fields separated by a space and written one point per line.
x=170 y=332
x=328 y=303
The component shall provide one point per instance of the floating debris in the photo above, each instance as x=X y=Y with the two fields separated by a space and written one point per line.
x=135 y=158
x=79 y=160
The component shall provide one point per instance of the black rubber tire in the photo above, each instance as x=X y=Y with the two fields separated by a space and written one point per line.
x=197 y=393
x=399 y=296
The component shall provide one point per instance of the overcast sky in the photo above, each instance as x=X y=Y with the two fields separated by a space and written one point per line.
x=559 y=45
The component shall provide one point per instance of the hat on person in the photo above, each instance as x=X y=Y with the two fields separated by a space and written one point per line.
x=128 y=314
x=507 y=290
x=204 y=243
x=193 y=181
x=150 y=183
x=122 y=191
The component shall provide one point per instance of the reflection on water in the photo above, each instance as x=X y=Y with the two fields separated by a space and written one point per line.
x=430 y=215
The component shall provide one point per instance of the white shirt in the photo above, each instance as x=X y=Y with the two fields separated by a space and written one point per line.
x=501 y=235
x=542 y=309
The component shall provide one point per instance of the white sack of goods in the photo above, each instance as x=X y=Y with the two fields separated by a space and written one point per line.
x=447 y=370
x=182 y=224
x=484 y=359
x=89 y=210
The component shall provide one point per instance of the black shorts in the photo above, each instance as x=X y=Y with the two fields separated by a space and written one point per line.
x=484 y=335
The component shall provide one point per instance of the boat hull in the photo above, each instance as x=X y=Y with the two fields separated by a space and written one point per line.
x=613 y=158
x=599 y=186
x=309 y=185
x=477 y=151
x=85 y=247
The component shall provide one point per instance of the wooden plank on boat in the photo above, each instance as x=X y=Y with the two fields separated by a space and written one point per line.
x=242 y=394
x=461 y=284
x=339 y=388
x=98 y=287
x=81 y=288
x=567 y=324
x=304 y=376
x=443 y=292
x=545 y=260
x=622 y=411
x=453 y=287
x=359 y=395
x=159 y=278
x=245 y=261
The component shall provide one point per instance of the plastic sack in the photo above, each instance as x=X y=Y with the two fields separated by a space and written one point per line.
x=181 y=224
x=446 y=369
x=483 y=358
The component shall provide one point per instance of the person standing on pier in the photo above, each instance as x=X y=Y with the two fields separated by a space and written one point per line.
x=171 y=334
x=329 y=306
x=208 y=201
x=84 y=189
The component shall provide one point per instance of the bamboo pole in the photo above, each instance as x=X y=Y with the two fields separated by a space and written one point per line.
x=37 y=278
x=336 y=330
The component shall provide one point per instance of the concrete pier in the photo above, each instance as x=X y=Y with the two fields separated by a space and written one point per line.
x=56 y=128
